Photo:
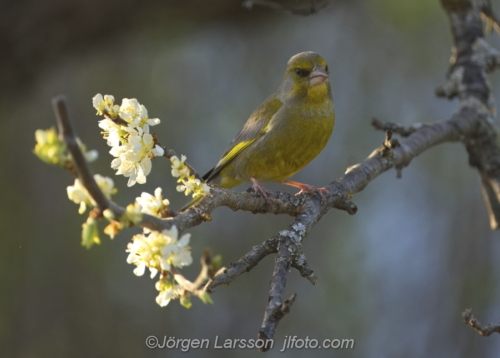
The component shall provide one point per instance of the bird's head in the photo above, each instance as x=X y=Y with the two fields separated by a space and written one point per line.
x=306 y=76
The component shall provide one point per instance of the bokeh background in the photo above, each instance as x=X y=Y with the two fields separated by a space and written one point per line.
x=395 y=277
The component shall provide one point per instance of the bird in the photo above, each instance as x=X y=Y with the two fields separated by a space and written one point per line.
x=287 y=131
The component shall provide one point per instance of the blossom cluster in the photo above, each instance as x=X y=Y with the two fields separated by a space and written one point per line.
x=190 y=184
x=154 y=250
x=126 y=129
x=160 y=252
x=50 y=149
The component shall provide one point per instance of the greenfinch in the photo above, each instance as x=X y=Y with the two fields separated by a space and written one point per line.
x=288 y=130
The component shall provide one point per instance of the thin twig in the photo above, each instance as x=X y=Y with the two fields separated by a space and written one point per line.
x=472 y=321
x=202 y=277
x=400 y=129
x=489 y=17
x=244 y=264
x=68 y=135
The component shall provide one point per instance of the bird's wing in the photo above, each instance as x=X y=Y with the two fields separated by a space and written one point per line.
x=256 y=126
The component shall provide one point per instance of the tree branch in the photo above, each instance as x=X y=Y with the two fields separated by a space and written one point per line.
x=472 y=321
x=244 y=264
x=400 y=129
x=68 y=134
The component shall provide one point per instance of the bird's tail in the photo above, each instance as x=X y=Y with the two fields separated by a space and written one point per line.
x=191 y=203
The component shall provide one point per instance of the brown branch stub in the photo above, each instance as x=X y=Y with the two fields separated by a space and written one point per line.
x=299 y=262
x=472 y=321
x=389 y=142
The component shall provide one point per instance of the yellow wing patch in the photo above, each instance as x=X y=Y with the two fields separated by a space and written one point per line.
x=238 y=148
x=260 y=118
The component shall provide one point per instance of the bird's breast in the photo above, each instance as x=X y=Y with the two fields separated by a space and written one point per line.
x=289 y=145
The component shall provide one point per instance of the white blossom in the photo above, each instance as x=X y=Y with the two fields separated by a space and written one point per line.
x=79 y=195
x=133 y=159
x=178 y=167
x=159 y=251
x=105 y=105
x=167 y=293
x=192 y=185
x=130 y=111
x=177 y=254
x=113 y=132
x=153 y=205
x=133 y=213
x=131 y=143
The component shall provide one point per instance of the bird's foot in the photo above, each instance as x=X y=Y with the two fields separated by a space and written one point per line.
x=308 y=188
x=260 y=189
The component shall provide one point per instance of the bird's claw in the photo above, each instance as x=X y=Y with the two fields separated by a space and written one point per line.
x=312 y=189
x=260 y=189
x=308 y=188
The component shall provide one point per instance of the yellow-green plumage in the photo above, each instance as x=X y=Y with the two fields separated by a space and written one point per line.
x=287 y=131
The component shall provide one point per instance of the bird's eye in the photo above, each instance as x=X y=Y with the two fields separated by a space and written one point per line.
x=301 y=72
x=326 y=68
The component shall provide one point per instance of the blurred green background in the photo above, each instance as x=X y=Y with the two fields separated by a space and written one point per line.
x=395 y=277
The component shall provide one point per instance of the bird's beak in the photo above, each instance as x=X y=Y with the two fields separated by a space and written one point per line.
x=317 y=76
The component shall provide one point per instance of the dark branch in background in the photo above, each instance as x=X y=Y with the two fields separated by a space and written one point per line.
x=403 y=131
x=313 y=8
x=472 y=321
x=472 y=124
x=467 y=80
